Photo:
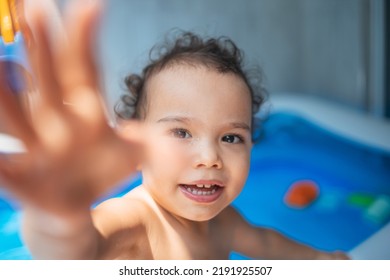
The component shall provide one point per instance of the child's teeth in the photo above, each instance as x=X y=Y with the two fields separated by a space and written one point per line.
x=199 y=192
x=203 y=186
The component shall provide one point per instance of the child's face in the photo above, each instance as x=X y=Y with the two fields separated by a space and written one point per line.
x=199 y=125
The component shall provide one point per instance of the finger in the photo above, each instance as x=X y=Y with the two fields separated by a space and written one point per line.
x=41 y=59
x=19 y=8
x=24 y=10
x=12 y=118
x=131 y=131
x=134 y=134
x=9 y=175
x=76 y=64
x=14 y=16
x=5 y=180
x=80 y=23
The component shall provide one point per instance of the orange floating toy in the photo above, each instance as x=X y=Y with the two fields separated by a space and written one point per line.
x=301 y=194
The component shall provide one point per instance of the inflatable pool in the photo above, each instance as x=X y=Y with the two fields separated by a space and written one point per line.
x=345 y=153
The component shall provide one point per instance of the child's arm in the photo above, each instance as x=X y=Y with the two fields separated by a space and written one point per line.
x=263 y=243
x=49 y=236
x=87 y=234
x=73 y=155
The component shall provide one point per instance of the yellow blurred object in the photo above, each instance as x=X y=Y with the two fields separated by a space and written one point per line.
x=6 y=25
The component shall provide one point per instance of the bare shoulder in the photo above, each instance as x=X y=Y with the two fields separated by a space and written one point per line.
x=230 y=216
x=123 y=221
x=121 y=212
x=244 y=237
x=229 y=224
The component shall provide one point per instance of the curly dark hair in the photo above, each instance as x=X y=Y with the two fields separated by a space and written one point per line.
x=220 y=54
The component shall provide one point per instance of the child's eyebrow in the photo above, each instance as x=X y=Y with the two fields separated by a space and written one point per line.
x=175 y=119
x=240 y=125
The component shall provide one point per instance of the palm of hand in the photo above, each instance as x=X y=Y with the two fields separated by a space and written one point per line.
x=73 y=154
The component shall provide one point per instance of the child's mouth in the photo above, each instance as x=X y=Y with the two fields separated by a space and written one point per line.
x=200 y=192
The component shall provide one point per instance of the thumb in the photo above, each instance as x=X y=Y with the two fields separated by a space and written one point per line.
x=131 y=131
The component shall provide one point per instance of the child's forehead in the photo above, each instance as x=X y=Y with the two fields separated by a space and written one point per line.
x=198 y=89
x=184 y=76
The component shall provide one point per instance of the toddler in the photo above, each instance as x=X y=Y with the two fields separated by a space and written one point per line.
x=186 y=124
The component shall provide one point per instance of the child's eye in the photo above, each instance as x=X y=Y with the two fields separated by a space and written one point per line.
x=181 y=133
x=233 y=139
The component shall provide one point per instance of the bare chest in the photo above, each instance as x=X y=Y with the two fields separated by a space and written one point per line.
x=173 y=243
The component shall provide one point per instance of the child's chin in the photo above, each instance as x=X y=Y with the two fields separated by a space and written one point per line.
x=202 y=217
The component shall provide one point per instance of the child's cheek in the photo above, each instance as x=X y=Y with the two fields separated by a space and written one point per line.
x=169 y=156
x=177 y=155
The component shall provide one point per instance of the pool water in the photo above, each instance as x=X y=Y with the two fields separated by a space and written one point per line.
x=291 y=149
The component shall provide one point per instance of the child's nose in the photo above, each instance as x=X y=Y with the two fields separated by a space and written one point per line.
x=208 y=156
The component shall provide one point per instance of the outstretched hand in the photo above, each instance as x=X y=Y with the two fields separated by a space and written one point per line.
x=73 y=155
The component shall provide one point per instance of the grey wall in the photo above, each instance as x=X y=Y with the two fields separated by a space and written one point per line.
x=310 y=46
